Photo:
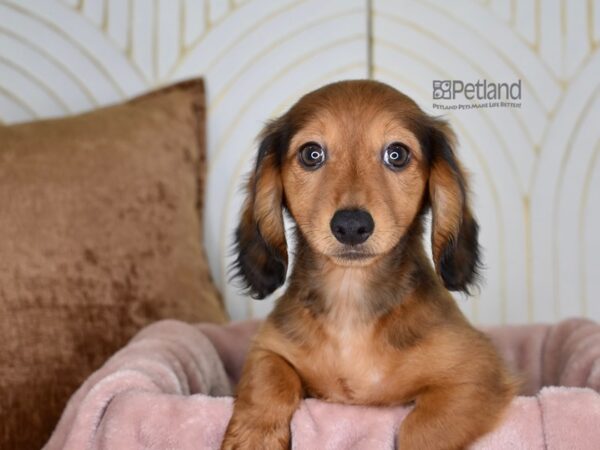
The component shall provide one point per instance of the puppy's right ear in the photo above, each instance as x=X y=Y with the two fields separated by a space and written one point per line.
x=261 y=246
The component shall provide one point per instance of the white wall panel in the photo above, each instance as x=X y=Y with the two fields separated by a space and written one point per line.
x=535 y=170
x=532 y=167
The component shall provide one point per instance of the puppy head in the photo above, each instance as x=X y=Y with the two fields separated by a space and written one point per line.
x=355 y=163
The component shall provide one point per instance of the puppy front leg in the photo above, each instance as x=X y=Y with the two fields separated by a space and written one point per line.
x=451 y=418
x=268 y=394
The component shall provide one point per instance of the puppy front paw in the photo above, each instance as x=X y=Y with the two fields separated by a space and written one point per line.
x=253 y=436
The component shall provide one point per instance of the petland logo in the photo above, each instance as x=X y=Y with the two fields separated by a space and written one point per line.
x=481 y=94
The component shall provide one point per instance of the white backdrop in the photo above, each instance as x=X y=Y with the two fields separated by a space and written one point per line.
x=536 y=171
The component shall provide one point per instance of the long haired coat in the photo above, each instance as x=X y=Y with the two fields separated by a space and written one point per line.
x=366 y=318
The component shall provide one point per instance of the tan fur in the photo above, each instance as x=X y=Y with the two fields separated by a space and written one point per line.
x=267 y=205
x=382 y=330
x=447 y=198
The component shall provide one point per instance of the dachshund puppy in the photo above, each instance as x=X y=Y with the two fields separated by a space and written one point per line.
x=366 y=319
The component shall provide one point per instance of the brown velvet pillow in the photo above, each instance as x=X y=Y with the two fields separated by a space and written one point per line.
x=100 y=234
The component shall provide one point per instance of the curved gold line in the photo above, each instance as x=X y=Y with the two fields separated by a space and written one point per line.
x=105 y=13
x=496 y=50
x=227 y=132
x=127 y=50
x=559 y=105
x=582 y=227
x=226 y=50
x=476 y=66
x=484 y=114
x=580 y=67
x=405 y=81
x=182 y=27
x=512 y=15
x=534 y=174
x=129 y=39
x=535 y=47
x=501 y=229
x=532 y=45
x=206 y=17
x=266 y=50
x=37 y=81
x=463 y=56
x=19 y=101
x=556 y=200
x=64 y=69
x=536 y=167
x=489 y=179
x=129 y=47
x=32 y=14
x=249 y=154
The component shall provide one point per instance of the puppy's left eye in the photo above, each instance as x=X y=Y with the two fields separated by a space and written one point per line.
x=396 y=155
x=312 y=155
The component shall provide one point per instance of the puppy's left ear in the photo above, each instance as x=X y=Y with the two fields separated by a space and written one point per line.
x=454 y=231
x=261 y=246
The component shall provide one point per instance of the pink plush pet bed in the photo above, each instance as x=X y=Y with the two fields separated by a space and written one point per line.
x=169 y=389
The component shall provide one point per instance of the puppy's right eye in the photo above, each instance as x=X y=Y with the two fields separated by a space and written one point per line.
x=312 y=155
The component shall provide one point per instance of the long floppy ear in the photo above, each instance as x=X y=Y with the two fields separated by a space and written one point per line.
x=454 y=231
x=261 y=246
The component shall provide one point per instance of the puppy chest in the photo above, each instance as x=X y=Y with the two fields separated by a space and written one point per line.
x=350 y=371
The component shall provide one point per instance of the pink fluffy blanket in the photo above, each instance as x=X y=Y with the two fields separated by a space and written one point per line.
x=169 y=389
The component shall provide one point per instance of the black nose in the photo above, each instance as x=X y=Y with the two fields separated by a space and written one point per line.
x=352 y=226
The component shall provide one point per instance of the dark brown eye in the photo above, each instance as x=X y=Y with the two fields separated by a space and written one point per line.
x=396 y=156
x=312 y=155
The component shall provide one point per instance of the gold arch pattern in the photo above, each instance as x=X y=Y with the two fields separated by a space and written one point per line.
x=124 y=63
